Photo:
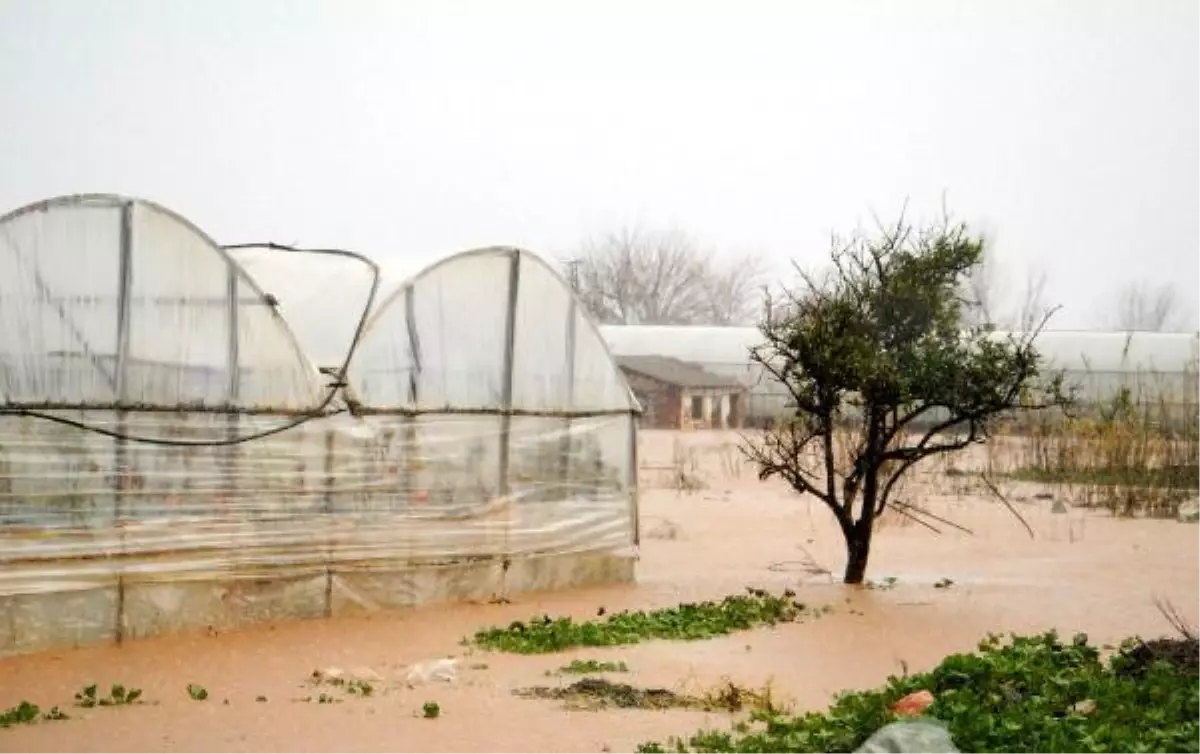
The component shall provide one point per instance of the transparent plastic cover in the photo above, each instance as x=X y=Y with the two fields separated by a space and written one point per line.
x=488 y=420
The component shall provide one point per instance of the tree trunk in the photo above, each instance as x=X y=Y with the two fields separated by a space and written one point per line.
x=858 y=539
x=858 y=536
x=858 y=550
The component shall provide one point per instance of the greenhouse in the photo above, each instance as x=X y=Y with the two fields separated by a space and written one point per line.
x=173 y=458
x=1153 y=365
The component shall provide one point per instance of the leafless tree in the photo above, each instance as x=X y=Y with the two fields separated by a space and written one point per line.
x=982 y=291
x=734 y=290
x=1033 y=309
x=1142 y=307
x=637 y=276
x=984 y=294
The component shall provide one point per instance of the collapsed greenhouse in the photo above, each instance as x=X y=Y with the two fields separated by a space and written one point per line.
x=172 y=458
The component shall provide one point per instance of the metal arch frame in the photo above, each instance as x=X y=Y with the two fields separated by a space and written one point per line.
x=118 y=201
x=398 y=288
x=404 y=290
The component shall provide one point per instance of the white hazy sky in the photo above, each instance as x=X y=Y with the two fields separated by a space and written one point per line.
x=1070 y=129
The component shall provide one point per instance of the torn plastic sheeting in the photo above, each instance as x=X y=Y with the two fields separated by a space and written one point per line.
x=925 y=734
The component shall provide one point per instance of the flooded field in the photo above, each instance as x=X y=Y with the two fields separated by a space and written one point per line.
x=932 y=594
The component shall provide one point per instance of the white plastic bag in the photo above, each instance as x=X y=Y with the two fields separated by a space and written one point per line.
x=445 y=670
x=924 y=734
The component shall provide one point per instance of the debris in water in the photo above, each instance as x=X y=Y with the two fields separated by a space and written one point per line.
x=913 y=704
x=599 y=693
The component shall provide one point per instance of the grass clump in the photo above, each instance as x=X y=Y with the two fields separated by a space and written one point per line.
x=688 y=622
x=1032 y=693
x=1134 y=453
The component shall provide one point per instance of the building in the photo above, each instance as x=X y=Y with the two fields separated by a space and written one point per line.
x=675 y=394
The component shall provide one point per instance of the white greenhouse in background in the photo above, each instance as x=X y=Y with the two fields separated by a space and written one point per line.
x=176 y=453
x=1158 y=366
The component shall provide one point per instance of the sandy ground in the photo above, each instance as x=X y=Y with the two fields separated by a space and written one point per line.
x=1081 y=572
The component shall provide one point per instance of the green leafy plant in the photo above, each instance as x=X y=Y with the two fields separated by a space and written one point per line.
x=431 y=710
x=584 y=667
x=28 y=713
x=688 y=622
x=881 y=374
x=197 y=692
x=118 y=695
x=1033 y=693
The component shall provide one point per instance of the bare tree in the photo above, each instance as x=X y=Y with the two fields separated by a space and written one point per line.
x=636 y=276
x=983 y=293
x=1033 y=310
x=1141 y=307
x=733 y=290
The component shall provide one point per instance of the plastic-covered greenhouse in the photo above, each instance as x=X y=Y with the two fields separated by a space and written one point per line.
x=1097 y=363
x=171 y=457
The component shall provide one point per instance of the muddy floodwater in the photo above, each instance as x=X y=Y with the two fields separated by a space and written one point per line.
x=1081 y=571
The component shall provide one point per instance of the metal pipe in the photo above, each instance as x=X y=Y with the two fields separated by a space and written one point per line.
x=120 y=451
x=506 y=376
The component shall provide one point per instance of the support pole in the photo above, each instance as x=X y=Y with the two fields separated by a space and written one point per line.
x=566 y=444
x=121 y=464
x=409 y=435
x=506 y=375
x=506 y=398
x=233 y=383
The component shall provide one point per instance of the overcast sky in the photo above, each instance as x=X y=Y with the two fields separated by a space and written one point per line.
x=1070 y=130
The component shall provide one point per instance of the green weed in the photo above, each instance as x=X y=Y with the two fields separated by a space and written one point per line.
x=689 y=622
x=118 y=695
x=1027 y=694
x=28 y=713
x=584 y=667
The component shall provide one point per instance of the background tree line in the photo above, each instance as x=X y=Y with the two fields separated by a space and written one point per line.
x=636 y=275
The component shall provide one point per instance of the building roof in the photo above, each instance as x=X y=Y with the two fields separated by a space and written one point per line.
x=675 y=372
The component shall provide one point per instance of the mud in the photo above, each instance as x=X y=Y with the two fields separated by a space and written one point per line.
x=1081 y=571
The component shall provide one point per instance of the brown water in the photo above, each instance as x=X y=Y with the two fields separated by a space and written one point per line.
x=1081 y=572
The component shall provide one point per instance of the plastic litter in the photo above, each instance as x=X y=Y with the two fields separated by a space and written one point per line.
x=444 y=670
x=914 y=704
x=924 y=734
